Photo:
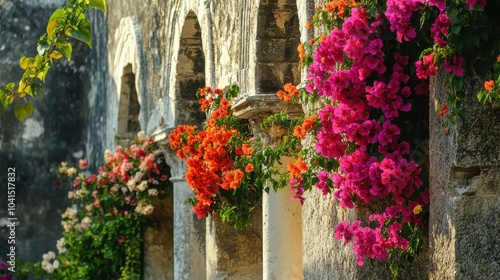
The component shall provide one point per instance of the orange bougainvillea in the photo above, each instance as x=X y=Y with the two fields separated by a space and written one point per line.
x=210 y=164
x=297 y=168
x=488 y=85
x=338 y=7
x=290 y=92
x=308 y=125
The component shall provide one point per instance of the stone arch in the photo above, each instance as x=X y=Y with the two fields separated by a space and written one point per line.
x=190 y=72
x=278 y=35
x=129 y=72
x=129 y=69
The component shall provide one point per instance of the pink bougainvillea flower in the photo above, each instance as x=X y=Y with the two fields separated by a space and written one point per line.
x=454 y=65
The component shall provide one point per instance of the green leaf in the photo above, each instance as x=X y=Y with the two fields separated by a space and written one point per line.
x=81 y=31
x=41 y=75
x=20 y=113
x=99 y=4
x=42 y=46
x=10 y=99
x=34 y=89
x=29 y=108
x=66 y=49
x=3 y=99
x=57 y=14
x=10 y=86
x=455 y=29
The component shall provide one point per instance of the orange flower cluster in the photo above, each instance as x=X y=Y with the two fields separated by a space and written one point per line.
x=244 y=150
x=302 y=52
x=207 y=97
x=209 y=164
x=308 y=125
x=488 y=85
x=289 y=94
x=338 y=7
x=297 y=168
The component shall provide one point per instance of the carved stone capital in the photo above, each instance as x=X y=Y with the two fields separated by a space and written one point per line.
x=258 y=107
x=177 y=165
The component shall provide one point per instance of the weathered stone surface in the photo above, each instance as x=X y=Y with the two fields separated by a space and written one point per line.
x=465 y=193
x=234 y=254
x=159 y=241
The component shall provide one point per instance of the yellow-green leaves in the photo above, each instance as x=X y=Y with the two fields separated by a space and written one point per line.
x=68 y=21
x=26 y=62
x=99 y=4
x=3 y=99
x=22 y=112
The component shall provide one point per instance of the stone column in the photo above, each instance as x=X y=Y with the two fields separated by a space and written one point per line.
x=281 y=217
x=282 y=235
x=465 y=189
x=188 y=231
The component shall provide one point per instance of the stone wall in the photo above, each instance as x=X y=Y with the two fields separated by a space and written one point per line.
x=465 y=190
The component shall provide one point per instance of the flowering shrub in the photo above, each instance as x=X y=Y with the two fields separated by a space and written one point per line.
x=102 y=231
x=371 y=71
x=227 y=167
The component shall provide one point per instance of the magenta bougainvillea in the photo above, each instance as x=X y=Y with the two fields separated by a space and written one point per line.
x=371 y=70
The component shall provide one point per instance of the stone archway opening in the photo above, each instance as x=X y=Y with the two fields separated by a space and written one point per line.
x=190 y=72
x=189 y=232
x=129 y=107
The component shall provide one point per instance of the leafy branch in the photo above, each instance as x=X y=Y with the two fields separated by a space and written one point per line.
x=68 y=21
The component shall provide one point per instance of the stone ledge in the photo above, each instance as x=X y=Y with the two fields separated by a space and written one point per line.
x=263 y=105
x=160 y=134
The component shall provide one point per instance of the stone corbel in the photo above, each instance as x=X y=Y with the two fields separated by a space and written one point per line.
x=177 y=165
x=257 y=107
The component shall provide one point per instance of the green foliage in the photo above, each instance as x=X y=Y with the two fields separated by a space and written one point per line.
x=69 y=21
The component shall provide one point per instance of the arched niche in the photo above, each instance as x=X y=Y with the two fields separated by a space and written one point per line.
x=278 y=35
x=190 y=74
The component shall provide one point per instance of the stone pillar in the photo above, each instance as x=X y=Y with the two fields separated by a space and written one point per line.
x=281 y=217
x=282 y=234
x=188 y=231
x=465 y=189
